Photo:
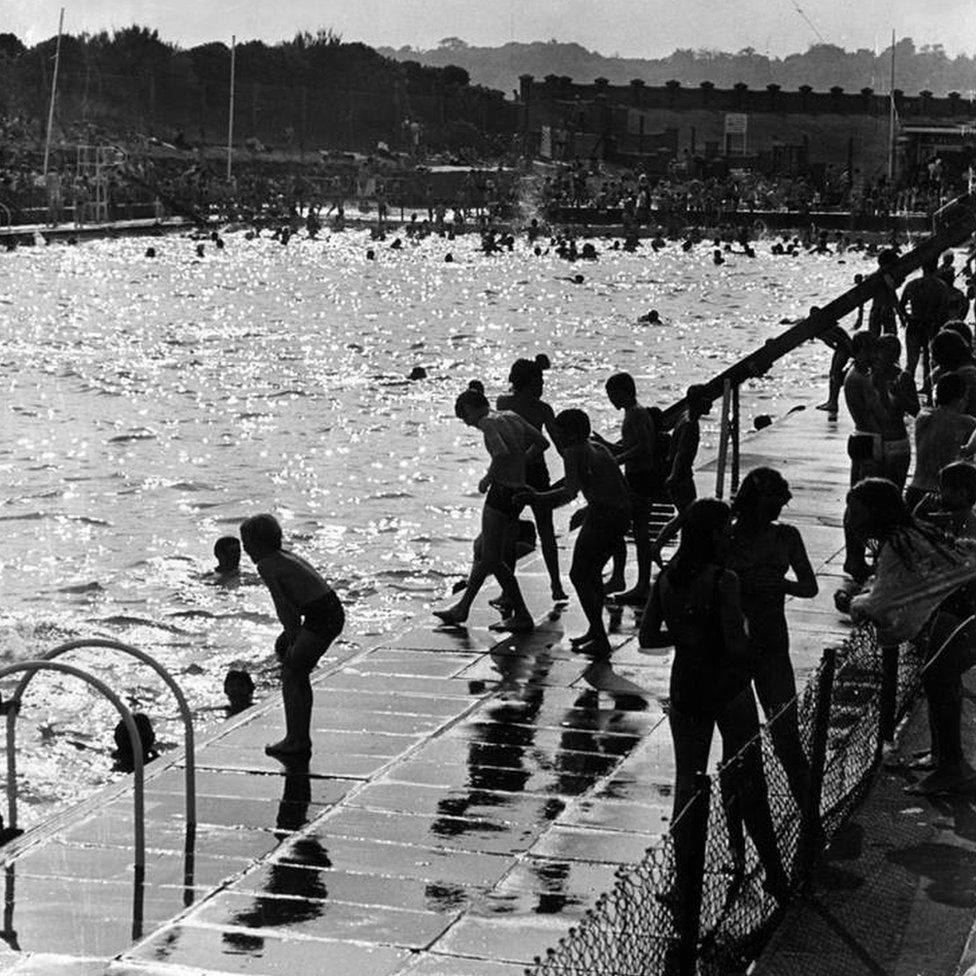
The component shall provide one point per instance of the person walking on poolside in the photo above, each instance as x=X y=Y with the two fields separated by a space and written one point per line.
x=512 y=443
x=311 y=617
x=839 y=341
x=867 y=403
x=526 y=400
x=635 y=451
x=680 y=481
x=593 y=471
x=925 y=306
x=698 y=599
x=761 y=552
x=900 y=399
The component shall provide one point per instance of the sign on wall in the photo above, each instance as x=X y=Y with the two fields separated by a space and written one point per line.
x=736 y=124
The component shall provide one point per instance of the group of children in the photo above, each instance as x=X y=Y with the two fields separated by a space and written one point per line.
x=619 y=480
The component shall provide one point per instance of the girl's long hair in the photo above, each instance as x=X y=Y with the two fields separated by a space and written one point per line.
x=702 y=521
x=758 y=484
x=890 y=521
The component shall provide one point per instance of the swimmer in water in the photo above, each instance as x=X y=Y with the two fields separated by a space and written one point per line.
x=311 y=617
x=653 y=317
x=227 y=552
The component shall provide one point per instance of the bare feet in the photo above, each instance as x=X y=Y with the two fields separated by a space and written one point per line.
x=583 y=638
x=452 y=616
x=597 y=647
x=288 y=748
x=631 y=598
x=517 y=623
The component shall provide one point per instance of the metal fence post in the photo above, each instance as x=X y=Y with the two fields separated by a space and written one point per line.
x=888 y=705
x=723 y=440
x=692 y=837
x=734 y=433
x=812 y=829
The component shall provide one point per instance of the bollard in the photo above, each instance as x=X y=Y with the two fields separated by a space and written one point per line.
x=888 y=704
x=690 y=880
x=812 y=829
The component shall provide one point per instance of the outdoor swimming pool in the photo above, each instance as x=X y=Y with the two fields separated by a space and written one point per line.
x=151 y=404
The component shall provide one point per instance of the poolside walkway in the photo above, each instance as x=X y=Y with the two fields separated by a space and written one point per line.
x=465 y=803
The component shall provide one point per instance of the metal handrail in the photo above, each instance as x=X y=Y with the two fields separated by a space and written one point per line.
x=188 y=761
x=135 y=741
x=961 y=227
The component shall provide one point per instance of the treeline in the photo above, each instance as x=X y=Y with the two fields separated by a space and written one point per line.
x=822 y=66
x=314 y=91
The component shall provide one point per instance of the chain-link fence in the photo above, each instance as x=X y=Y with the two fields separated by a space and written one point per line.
x=641 y=926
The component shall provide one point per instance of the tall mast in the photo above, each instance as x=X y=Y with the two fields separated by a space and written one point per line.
x=54 y=90
x=891 y=115
x=230 y=122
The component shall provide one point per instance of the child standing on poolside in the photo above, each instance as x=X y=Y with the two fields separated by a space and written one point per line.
x=311 y=616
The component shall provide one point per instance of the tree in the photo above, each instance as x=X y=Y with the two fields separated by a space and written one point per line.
x=452 y=44
x=11 y=46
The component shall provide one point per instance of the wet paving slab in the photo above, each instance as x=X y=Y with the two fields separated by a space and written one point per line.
x=242 y=950
x=467 y=801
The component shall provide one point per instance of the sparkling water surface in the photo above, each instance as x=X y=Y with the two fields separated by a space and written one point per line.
x=151 y=404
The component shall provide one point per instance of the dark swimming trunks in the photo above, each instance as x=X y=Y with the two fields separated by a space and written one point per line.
x=643 y=483
x=324 y=616
x=537 y=476
x=502 y=499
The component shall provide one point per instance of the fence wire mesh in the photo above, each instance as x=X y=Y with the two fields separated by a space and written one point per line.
x=632 y=929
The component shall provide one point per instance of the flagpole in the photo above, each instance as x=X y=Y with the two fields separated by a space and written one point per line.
x=230 y=123
x=891 y=115
x=54 y=88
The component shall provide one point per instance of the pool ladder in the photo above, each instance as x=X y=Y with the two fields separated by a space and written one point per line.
x=11 y=708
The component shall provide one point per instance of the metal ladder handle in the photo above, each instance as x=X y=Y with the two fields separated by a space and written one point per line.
x=135 y=741
x=189 y=765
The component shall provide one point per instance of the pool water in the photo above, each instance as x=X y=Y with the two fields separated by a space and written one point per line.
x=150 y=404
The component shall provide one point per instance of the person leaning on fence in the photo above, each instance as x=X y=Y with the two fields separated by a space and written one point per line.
x=924 y=590
x=699 y=601
x=762 y=552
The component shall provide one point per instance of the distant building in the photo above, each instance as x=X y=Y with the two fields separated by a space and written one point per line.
x=770 y=129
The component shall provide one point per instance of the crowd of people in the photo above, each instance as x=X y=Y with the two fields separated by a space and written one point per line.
x=647 y=198
x=720 y=599
x=133 y=178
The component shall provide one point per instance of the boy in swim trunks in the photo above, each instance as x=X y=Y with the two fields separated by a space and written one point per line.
x=311 y=617
x=592 y=470
x=635 y=450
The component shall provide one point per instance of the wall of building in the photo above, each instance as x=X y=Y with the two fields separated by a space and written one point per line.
x=831 y=124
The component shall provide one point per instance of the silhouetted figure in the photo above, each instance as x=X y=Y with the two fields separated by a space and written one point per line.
x=124 y=758
x=239 y=689
x=311 y=617
x=699 y=601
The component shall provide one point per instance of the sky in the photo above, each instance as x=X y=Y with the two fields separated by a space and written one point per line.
x=631 y=28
